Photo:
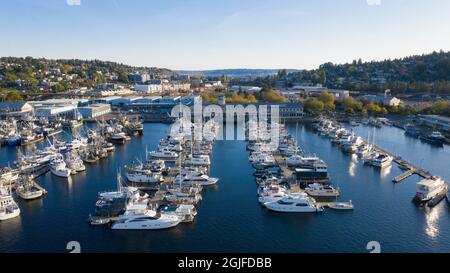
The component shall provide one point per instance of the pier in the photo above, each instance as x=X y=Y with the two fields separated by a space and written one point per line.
x=410 y=168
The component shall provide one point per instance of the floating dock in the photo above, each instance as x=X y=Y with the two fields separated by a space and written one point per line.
x=410 y=168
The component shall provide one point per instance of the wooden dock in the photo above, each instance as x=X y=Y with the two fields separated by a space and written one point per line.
x=403 y=176
x=328 y=204
x=410 y=168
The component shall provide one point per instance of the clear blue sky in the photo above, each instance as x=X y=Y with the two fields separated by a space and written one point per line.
x=207 y=34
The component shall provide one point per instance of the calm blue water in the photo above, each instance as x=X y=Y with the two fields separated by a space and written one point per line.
x=230 y=218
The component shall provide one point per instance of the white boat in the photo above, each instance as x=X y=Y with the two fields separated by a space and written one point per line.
x=186 y=213
x=271 y=193
x=198 y=160
x=427 y=189
x=147 y=221
x=342 y=205
x=294 y=160
x=8 y=175
x=74 y=162
x=28 y=190
x=58 y=167
x=295 y=202
x=381 y=160
x=319 y=190
x=139 y=175
x=164 y=154
x=8 y=207
x=362 y=150
x=194 y=178
x=188 y=195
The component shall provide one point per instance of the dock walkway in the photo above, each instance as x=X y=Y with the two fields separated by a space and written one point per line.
x=410 y=168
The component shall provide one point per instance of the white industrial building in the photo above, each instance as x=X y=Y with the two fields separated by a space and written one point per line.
x=53 y=111
x=148 y=88
x=436 y=121
x=95 y=110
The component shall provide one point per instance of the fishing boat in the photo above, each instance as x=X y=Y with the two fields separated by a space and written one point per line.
x=27 y=189
x=8 y=207
x=74 y=162
x=118 y=138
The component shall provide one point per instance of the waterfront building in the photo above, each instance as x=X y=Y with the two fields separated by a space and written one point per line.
x=95 y=110
x=383 y=100
x=53 y=111
x=59 y=103
x=15 y=109
x=248 y=89
x=435 y=121
x=315 y=91
x=148 y=88
x=122 y=101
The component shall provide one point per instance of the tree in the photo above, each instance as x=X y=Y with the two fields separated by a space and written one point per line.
x=314 y=106
x=13 y=96
x=272 y=96
x=328 y=101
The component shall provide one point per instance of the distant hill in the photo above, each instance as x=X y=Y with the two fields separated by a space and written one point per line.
x=234 y=73
x=420 y=73
x=62 y=74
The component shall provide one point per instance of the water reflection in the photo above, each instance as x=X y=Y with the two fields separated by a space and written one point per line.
x=352 y=167
x=431 y=220
x=384 y=172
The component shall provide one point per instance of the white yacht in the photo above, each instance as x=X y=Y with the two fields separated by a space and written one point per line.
x=149 y=220
x=381 y=160
x=8 y=207
x=294 y=160
x=295 y=202
x=184 y=196
x=271 y=193
x=58 y=167
x=362 y=150
x=199 y=179
x=142 y=176
x=198 y=160
x=427 y=189
x=319 y=190
x=186 y=213
x=164 y=154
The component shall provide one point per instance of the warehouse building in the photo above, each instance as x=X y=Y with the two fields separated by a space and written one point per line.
x=435 y=121
x=95 y=110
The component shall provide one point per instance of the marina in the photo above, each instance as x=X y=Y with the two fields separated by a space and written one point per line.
x=364 y=186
